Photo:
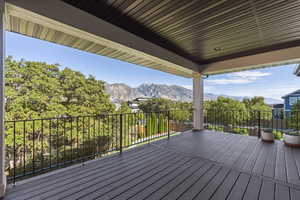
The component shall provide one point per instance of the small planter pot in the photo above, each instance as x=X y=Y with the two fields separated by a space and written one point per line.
x=267 y=135
x=292 y=139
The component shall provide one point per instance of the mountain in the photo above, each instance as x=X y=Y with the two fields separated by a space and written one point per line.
x=120 y=92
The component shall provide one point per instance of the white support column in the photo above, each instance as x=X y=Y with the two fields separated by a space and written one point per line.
x=2 y=100
x=198 y=101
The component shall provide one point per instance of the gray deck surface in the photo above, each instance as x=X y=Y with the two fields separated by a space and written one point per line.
x=200 y=165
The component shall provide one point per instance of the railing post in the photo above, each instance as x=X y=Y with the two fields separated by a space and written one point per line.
x=259 y=124
x=168 y=124
x=121 y=133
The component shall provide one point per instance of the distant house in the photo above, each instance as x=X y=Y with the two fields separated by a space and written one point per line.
x=140 y=99
x=297 y=71
x=134 y=104
x=290 y=100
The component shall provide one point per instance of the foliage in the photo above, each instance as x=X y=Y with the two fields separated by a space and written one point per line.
x=294 y=116
x=124 y=108
x=242 y=131
x=294 y=133
x=226 y=111
x=278 y=134
x=38 y=90
x=156 y=124
x=180 y=111
x=157 y=105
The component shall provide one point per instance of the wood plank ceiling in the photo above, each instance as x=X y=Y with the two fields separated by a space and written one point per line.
x=205 y=31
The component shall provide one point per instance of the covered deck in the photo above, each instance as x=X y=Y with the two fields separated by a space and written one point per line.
x=192 y=165
x=192 y=39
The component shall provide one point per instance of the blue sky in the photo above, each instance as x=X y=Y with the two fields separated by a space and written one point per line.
x=271 y=82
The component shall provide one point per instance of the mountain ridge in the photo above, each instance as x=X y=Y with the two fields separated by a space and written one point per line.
x=120 y=92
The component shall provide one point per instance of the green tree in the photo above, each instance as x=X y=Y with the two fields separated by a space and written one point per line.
x=36 y=90
x=255 y=105
x=124 y=108
x=294 y=116
x=157 y=105
x=226 y=111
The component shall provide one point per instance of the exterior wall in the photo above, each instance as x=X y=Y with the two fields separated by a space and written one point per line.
x=287 y=104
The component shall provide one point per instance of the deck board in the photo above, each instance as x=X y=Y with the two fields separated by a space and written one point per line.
x=239 y=187
x=267 y=190
x=102 y=184
x=200 y=184
x=180 y=189
x=224 y=190
x=209 y=190
x=269 y=168
x=280 y=168
x=282 y=192
x=194 y=165
x=291 y=167
x=252 y=191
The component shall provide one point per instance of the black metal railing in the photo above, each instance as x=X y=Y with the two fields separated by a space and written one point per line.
x=38 y=145
x=252 y=122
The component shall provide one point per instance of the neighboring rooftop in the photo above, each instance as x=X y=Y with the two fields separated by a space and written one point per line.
x=295 y=93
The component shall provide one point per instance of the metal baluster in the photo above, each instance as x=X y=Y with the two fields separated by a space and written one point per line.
x=71 y=139
x=50 y=142
x=42 y=130
x=57 y=153
x=121 y=133
x=14 y=178
x=77 y=133
x=33 y=146
x=64 y=136
x=94 y=136
x=24 y=147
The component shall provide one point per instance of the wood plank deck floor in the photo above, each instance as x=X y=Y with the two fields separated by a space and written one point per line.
x=199 y=165
x=271 y=160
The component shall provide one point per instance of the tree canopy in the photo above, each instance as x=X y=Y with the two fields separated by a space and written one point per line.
x=40 y=90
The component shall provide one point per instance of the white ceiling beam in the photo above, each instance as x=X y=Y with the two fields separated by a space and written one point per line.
x=268 y=59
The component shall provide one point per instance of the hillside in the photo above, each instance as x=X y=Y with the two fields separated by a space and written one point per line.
x=120 y=92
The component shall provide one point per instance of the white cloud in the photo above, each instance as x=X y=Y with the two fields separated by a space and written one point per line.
x=228 y=81
x=267 y=92
x=253 y=75
x=188 y=86
x=239 y=78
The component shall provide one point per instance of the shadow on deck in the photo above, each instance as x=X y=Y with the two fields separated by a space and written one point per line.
x=193 y=165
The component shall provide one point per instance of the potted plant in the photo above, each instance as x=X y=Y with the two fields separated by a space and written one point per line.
x=267 y=135
x=292 y=138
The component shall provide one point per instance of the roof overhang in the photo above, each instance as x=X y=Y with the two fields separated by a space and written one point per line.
x=61 y=23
